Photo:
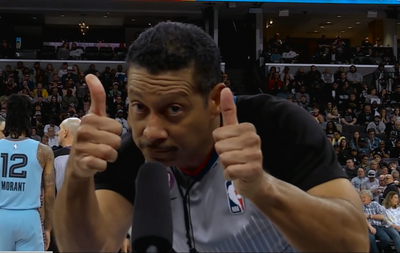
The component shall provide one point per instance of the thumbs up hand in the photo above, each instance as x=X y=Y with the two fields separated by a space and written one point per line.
x=239 y=149
x=97 y=138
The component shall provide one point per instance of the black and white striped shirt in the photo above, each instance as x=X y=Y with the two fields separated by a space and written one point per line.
x=60 y=163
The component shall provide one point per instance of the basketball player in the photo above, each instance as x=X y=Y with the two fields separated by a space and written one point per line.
x=2 y=125
x=247 y=173
x=25 y=163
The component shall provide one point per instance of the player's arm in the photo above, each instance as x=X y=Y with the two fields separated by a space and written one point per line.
x=95 y=221
x=49 y=185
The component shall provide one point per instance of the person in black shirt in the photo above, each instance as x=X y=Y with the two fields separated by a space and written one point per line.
x=390 y=186
x=271 y=154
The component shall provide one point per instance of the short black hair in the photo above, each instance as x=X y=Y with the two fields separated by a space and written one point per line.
x=18 y=119
x=172 y=46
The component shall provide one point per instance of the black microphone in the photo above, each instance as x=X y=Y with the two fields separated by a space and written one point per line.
x=152 y=217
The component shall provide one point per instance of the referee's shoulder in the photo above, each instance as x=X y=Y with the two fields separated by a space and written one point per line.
x=61 y=152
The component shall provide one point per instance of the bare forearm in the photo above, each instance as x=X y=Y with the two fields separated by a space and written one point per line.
x=313 y=224
x=78 y=219
x=378 y=217
x=48 y=210
x=49 y=197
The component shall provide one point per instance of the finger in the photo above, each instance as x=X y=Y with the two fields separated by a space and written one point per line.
x=228 y=108
x=239 y=157
x=97 y=95
x=245 y=172
x=92 y=163
x=244 y=142
x=102 y=123
x=232 y=131
x=100 y=151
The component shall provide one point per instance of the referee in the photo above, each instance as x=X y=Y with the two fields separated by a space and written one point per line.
x=247 y=173
x=66 y=136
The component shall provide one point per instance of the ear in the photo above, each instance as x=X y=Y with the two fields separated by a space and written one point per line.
x=214 y=100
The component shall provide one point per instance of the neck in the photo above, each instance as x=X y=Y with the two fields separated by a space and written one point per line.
x=67 y=142
x=16 y=136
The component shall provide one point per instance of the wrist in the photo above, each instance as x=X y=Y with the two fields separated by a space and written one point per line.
x=76 y=177
x=267 y=192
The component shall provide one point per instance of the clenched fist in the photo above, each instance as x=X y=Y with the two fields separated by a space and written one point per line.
x=239 y=149
x=98 y=136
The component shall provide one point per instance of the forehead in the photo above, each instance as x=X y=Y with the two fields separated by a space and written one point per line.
x=166 y=83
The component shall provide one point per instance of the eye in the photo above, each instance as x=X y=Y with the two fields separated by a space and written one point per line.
x=139 y=108
x=174 y=110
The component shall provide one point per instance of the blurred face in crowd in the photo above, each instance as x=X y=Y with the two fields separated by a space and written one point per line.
x=45 y=140
x=364 y=160
x=336 y=135
x=394 y=201
x=395 y=176
x=365 y=199
x=50 y=132
x=384 y=171
x=373 y=165
x=349 y=164
x=388 y=179
x=360 y=172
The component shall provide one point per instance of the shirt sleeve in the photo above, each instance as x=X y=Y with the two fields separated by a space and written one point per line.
x=379 y=209
x=294 y=146
x=120 y=176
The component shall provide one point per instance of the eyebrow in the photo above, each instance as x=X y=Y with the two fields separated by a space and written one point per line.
x=167 y=94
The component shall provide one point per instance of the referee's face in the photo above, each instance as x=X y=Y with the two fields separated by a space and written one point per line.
x=171 y=123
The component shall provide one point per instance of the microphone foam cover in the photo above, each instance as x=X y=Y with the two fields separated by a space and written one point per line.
x=152 y=217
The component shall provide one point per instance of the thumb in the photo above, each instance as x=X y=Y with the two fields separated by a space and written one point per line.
x=97 y=95
x=228 y=108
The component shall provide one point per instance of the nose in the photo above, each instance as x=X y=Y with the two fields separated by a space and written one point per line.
x=154 y=130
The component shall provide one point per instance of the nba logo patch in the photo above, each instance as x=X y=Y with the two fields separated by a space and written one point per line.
x=235 y=200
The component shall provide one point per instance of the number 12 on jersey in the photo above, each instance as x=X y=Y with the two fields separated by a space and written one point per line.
x=10 y=172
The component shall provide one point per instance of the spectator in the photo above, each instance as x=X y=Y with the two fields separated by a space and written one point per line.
x=360 y=180
x=372 y=185
x=390 y=186
x=375 y=215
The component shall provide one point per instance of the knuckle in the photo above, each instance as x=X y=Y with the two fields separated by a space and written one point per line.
x=87 y=119
x=253 y=139
x=223 y=157
x=248 y=127
x=84 y=131
x=218 y=148
x=115 y=142
x=91 y=163
x=254 y=155
x=79 y=148
x=216 y=134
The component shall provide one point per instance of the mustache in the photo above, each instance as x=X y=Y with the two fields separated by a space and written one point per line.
x=148 y=145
